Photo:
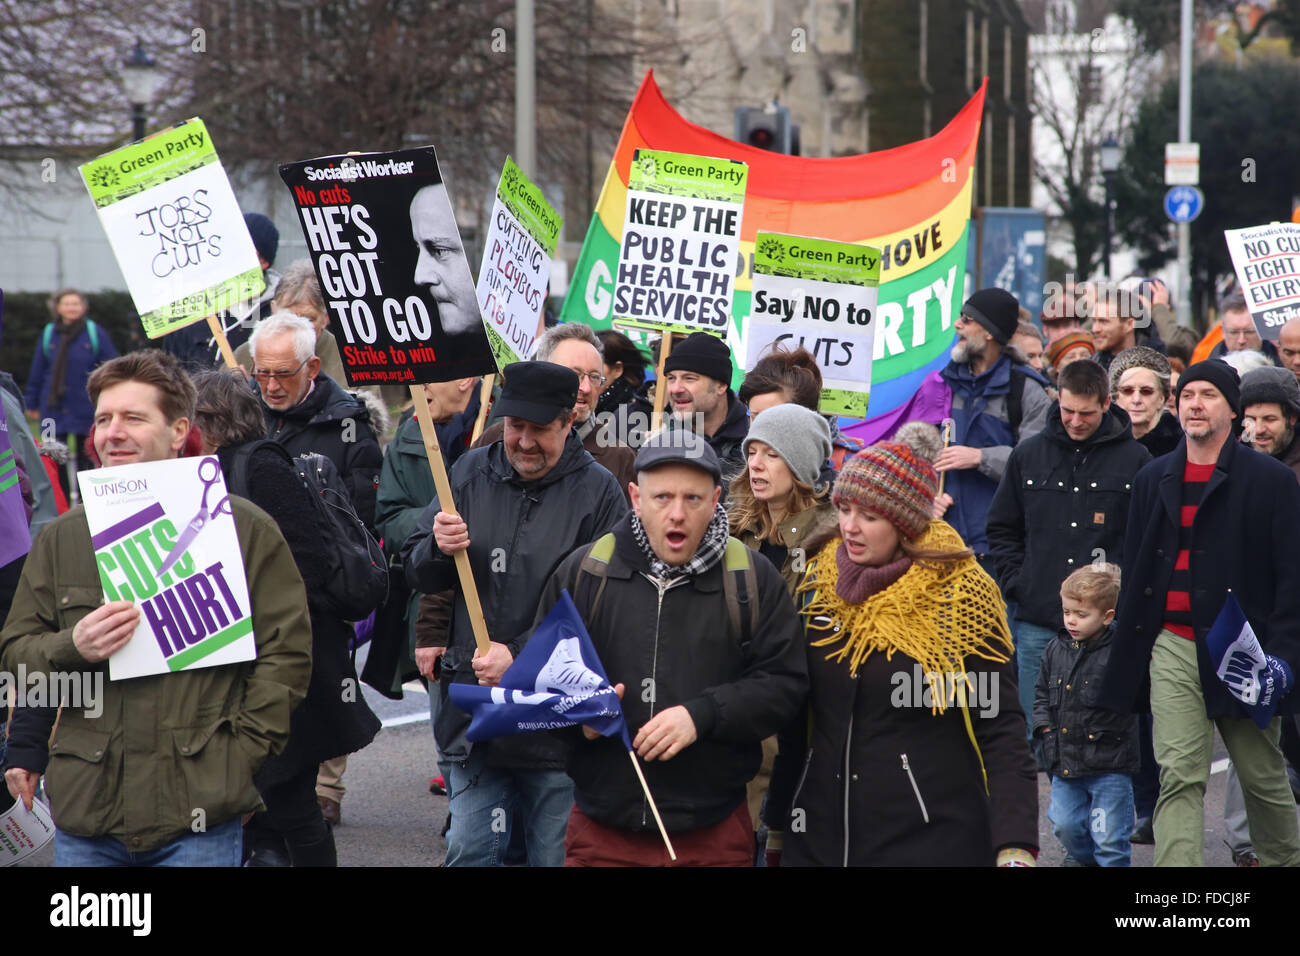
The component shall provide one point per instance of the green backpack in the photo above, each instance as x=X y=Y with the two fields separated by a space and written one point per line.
x=47 y=340
x=740 y=584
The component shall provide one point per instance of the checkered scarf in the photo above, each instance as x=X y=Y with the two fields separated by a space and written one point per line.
x=710 y=551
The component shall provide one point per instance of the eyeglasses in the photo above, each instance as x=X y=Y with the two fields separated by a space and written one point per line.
x=1128 y=391
x=264 y=376
x=595 y=378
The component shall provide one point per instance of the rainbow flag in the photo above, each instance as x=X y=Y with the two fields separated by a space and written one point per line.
x=913 y=202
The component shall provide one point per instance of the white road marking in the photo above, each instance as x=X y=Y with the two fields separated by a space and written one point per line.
x=405 y=719
x=1220 y=766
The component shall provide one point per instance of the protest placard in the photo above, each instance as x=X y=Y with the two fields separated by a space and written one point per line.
x=164 y=538
x=15 y=539
x=516 y=267
x=392 y=267
x=1267 y=262
x=681 y=242
x=819 y=294
x=23 y=832
x=175 y=227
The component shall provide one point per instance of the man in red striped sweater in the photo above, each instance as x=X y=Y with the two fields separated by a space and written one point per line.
x=1210 y=517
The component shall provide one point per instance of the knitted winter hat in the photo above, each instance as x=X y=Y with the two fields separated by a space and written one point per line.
x=1065 y=343
x=702 y=353
x=1219 y=374
x=997 y=310
x=889 y=479
x=1139 y=356
x=266 y=238
x=799 y=435
x=1269 y=384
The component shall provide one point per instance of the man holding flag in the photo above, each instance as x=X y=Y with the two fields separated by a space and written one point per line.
x=1211 y=613
x=701 y=640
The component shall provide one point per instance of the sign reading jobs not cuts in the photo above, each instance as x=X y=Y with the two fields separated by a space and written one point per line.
x=164 y=538
x=1267 y=262
x=681 y=242
x=175 y=227
x=391 y=266
x=821 y=295
x=516 y=265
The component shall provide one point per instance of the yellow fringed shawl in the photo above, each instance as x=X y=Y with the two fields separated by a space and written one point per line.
x=937 y=614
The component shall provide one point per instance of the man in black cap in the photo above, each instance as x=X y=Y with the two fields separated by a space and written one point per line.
x=524 y=502
x=997 y=401
x=700 y=638
x=698 y=378
x=1211 y=517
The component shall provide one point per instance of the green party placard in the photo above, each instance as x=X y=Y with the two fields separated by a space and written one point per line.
x=516 y=266
x=175 y=227
x=682 y=174
x=822 y=295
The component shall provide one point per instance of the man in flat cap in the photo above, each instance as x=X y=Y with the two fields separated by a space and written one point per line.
x=522 y=504
x=700 y=638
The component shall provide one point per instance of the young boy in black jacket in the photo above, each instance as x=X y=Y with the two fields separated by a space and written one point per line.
x=1091 y=753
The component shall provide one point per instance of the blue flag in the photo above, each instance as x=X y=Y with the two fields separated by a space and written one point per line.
x=557 y=681
x=1259 y=681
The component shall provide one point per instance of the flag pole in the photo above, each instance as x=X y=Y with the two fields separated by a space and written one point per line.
x=661 y=393
x=218 y=333
x=672 y=855
x=484 y=399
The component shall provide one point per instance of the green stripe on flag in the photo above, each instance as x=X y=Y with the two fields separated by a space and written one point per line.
x=210 y=645
x=8 y=471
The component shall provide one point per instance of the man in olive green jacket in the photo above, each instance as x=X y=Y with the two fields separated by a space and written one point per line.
x=160 y=770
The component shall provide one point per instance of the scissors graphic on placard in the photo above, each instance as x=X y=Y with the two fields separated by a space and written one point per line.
x=200 y=520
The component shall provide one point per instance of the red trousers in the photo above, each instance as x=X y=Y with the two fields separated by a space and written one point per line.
x=729 y=843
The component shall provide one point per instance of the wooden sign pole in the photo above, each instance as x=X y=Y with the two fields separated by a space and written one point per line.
x=484 y=399
x=223 y=343
x=443 y=485
x=661 y=388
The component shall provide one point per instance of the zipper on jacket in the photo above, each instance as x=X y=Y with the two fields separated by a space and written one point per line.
x=925 y=815
x=798 y=787
x=848 y=749
x=662 y=587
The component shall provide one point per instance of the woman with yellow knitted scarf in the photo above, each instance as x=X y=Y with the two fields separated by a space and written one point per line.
x=911 y=751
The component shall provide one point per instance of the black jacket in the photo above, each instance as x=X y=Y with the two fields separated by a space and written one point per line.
x=332 y=423
x=677 y=638
x=1243 y=539
x=905 y=782
x=1079 y=737
x=1164 y=436
x=519 y=531
x=1061 y=505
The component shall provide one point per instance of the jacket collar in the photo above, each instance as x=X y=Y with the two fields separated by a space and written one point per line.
x=628 y=560
x=326 y=402
x=573 y=458
x=1114 y=426
x=1172 y=480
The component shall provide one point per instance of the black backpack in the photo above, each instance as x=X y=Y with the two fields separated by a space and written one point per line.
x=358 y=571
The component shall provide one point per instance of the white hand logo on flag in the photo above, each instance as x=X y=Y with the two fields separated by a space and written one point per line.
x=1243 y=667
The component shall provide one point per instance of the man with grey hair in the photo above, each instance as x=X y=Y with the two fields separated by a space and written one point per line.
x=576 y=347
x=1239 y=331
x=309 y=412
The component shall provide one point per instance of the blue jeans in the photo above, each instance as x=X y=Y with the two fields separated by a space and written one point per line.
x=219 y=846
x=483 y=800
x=1030 y=640
x=1093 y=817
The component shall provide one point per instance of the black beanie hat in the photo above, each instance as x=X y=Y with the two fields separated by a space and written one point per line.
x=997 y=310
x=703 y=353
x=266 y=238
x=1219 y=374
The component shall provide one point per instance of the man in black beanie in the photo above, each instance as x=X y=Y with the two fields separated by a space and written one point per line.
x=698 y=378
x=997 y=401
x=1211 y=517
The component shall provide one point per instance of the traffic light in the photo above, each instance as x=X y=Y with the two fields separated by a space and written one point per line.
x=766 y=127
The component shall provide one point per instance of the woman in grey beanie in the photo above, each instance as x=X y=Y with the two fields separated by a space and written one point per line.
x=777 y=505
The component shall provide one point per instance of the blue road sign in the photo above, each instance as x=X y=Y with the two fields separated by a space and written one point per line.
x=1184 y=203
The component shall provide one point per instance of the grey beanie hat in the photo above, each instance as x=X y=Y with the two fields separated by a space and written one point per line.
x=800 y=436
x=1271 y=384
x=1139 y=356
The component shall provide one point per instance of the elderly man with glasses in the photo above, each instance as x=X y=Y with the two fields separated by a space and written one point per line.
x=307 y=411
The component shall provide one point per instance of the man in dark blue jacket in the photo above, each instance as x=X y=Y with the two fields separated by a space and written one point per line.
x=1213 y=516
x=997 y=401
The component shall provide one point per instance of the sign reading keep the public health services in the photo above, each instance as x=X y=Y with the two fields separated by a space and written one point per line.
x=516 y=265
x=1267 y=262
x=821 y=295
x=681 y=242
x=164 y=538
x=175 y=227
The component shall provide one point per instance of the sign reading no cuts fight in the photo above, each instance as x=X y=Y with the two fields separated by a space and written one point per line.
x=164 y=538
x=175 y=227
x=681 y=242
x=516 y=269
x=392 y=267
x=1267 y=262
x=819 y=294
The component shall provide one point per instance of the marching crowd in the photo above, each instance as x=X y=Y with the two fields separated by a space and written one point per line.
x=827 y=654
